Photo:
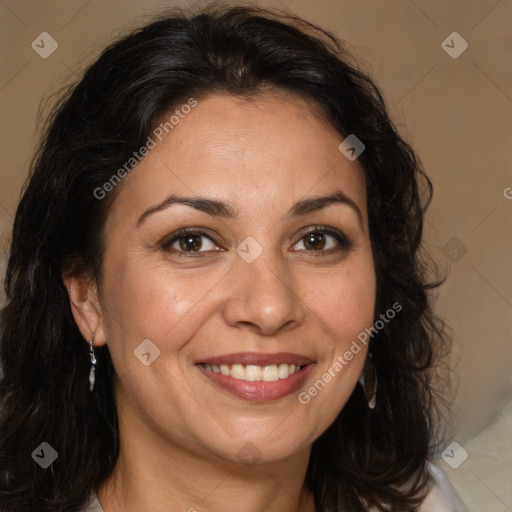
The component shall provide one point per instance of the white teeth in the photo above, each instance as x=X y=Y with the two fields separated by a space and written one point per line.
x=284 y=371
x=254 y=373
x=270 y=373
x=237 y=371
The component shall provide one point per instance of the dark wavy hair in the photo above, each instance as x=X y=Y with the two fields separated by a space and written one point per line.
x=367 y=456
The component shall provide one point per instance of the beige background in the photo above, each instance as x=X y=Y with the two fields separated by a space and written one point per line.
x=456 y=112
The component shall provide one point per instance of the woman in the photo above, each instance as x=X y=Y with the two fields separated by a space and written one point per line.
x=216 y=297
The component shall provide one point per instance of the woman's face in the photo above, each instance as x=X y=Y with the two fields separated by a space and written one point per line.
x=255 y=286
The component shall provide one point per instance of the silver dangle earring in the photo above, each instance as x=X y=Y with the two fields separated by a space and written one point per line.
x=92 y=371
x=368 y=381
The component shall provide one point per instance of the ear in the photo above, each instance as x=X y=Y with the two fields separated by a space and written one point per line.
x=86 y=307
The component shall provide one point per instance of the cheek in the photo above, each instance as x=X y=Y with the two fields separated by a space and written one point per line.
x=345 y=300
x=345 y=309
x=151 y=302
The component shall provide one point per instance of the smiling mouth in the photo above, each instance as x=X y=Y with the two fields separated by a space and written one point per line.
x=254 y=373
x=257 y=376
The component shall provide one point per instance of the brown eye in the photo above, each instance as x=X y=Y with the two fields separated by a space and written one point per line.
x=323 y=239
x=314 y=240
x=190 y=242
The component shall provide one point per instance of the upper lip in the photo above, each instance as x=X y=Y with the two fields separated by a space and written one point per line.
x=257 y=359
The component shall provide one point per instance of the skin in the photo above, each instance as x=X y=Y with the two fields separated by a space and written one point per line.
x=181 y=435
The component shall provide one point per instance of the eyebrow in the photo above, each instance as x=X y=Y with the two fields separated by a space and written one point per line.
x=218 y=208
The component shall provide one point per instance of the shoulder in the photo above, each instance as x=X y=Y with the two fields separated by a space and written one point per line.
x=442 y=496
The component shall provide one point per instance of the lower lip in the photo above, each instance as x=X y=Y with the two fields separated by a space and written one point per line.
x=259 y=391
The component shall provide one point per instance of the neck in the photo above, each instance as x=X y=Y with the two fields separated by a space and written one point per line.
x=167 y=478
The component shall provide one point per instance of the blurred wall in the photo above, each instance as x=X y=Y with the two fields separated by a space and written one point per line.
x=444 y=68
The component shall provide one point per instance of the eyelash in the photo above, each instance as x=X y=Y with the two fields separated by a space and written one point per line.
x=340 y=237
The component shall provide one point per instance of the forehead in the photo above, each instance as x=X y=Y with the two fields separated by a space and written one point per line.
x=275 y=148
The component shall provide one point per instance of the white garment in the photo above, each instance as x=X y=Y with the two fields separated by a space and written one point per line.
x=441 y=498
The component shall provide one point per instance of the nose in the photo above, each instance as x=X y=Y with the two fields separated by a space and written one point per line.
x=263 y=297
